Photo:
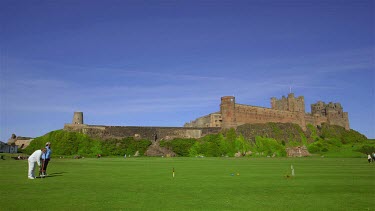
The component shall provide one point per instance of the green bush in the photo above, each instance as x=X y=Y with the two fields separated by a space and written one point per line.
x=241 y=145
x=120 y=147
x=194 y=150
x=72 y=143
x=215 y=145
x=180 y=146
x=366 y=149
x=211 y=145
x=269 y=147
x=63 y=143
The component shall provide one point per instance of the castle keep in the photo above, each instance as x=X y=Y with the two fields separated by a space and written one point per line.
x=285 y=110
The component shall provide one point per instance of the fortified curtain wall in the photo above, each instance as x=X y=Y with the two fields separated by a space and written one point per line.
x=149 y=133
x=252 y=114
x=234 y=114
x=340 y=119
x=242 y=114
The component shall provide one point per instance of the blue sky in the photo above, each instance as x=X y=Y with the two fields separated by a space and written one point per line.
x=164 y=63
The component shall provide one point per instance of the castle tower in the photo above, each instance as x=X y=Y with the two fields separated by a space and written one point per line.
x=228 y=112
x=273 y=103
x=291 y=102
x=346 y=120
x=78 y=118
x=296 y=104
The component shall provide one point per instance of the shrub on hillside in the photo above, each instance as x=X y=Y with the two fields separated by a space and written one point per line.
x=269 y=147
x=210 y=145
x=129 y=146
x=345 y=136
x=214 y=145
x=72 y=143
x=66 y=143
x=366 y=149
x=241 y=145
x=180 y=146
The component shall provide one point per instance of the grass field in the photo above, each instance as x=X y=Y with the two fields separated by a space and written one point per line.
x=199 y=184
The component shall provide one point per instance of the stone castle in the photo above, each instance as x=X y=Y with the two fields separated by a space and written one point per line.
x=285 y=110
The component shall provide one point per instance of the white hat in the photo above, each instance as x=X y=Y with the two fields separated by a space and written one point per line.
x=48 y=143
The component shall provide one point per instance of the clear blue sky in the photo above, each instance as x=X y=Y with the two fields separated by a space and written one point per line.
x=164 y=63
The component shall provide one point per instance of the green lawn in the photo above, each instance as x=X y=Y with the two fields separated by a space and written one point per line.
x=199 y=184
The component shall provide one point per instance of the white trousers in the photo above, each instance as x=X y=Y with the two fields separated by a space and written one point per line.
x=31 y=169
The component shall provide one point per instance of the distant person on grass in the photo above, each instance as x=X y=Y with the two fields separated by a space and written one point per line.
x=369 y=158
x=46 y=157
x=35 y=158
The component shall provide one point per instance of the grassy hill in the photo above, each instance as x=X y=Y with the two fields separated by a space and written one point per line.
x=256 y=140
x=289 y=133
x=329 y=140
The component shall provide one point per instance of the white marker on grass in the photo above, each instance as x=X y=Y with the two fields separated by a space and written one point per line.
x=173 y=173
x=291 y=167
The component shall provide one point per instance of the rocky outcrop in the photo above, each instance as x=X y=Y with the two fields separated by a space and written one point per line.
x=300 y=151
x=156 y=150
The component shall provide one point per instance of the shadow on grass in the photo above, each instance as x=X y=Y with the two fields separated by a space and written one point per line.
x=56 y=174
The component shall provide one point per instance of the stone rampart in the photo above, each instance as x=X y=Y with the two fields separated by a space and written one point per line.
x=149 y=133
x=253 y=114
x=5 y=148
x=23 y=143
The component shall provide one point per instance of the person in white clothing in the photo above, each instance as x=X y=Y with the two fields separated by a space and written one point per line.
x=34 y=158
x=369 y=158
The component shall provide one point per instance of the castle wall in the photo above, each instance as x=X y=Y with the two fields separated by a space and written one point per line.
x=252 y=114
x=315 y=120
x=231 y=115
x=22 y=144
x=162 y=133
x=309 y=119
x=338 y=119
x=285 y=110
x=5 y=148
x=332 y=113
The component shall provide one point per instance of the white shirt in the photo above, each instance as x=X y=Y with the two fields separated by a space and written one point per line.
x=35 y=157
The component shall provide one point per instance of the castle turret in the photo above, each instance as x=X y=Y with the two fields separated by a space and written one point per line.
x=346 y=120
x=78 y=118
x=273 y=102
x=228 y=112
x=291 y=102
